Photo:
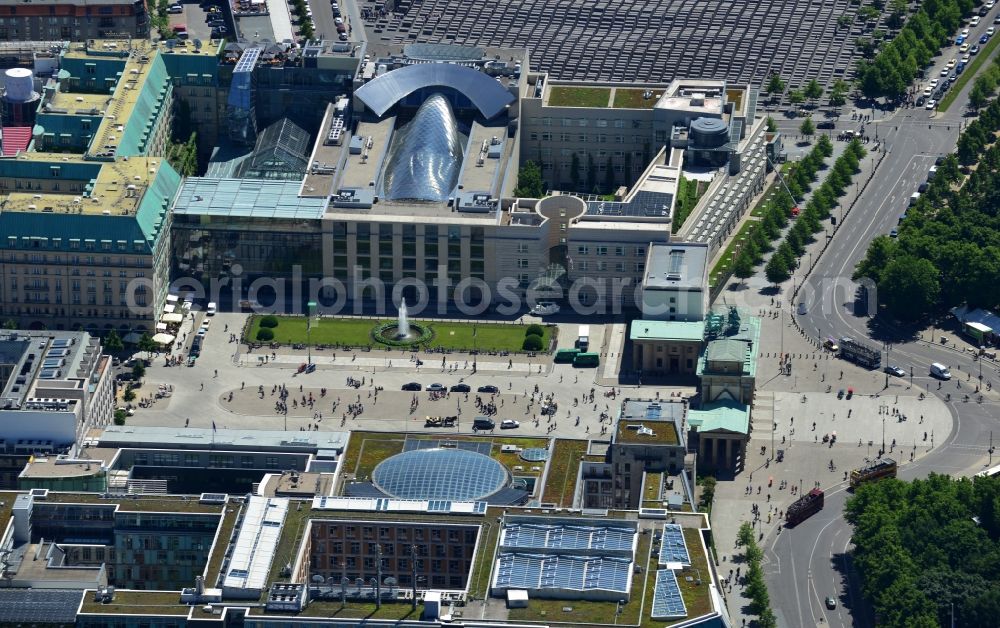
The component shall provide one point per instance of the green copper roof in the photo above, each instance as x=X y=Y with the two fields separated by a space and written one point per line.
x=667 y=330
x=724 y=415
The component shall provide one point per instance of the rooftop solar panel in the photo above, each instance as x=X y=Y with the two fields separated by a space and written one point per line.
x=577 y=573
x=38 y=606
x=667 y=600
x=567 y=537
x=673 y=548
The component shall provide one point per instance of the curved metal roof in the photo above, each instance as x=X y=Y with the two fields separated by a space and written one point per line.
x=381 y=93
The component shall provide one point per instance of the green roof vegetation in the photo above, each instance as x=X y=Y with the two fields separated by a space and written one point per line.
x=482 y=567
x=653 y=482
x=355 y=332
x=137 y=504
x=221 y=543
x=564 y=466
x=128 y=602
x=664 y=433
x=572 y=96
x=688 y=193
x=355 y=610
x=633 y=99
x=6 y=506
x=367 y=449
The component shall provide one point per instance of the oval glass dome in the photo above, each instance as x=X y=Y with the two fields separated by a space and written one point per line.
x=439 y=473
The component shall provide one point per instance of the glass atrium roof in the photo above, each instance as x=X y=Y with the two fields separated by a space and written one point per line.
x=454 y=474
x=425 y=158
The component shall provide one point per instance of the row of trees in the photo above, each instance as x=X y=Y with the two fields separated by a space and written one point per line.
x=898 y=62
x=948 y=249
x=985 y=85
x=786 y=258
x=756 y=589
x=306 y=28
x=929 y=550
x=775 y=214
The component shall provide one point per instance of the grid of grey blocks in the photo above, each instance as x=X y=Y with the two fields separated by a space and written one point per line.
x=630 y=40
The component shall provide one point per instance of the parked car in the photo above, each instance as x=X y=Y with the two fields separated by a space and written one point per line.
x=930 y=104
x=491 y=389
x=343 y=36
x=509 y=424
x=435 y=387
x=412 y=386
x=893 y=233
x=545 y=308
x=964 y=48
x=175 y=8
x=462 y=388
x=826 y=124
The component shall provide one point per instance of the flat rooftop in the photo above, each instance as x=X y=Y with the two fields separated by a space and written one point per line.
x=117 y=191
x=363 y=169
x=694 y=97
x=646 y=433
x=676 y=265
x=80 y=104
x=53 y=467
x=247 y=440
x=135 y=503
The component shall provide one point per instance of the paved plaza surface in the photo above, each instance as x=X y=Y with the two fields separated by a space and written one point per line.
x=200 y=395
x=658 y=41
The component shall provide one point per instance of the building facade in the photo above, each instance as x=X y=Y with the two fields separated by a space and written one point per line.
x=439 y=555
x=75 y=20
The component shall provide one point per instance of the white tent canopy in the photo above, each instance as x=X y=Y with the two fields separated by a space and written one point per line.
x=172 y=318
x=161 y=327
x=171 y=298
x=168 y=308
x=163 y=339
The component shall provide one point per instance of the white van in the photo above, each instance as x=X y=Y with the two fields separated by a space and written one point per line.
x=940 y=371
x=914 y=198
x=211 y=309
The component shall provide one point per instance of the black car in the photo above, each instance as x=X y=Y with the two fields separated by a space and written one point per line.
x=491 y=389
x=939 y=160
x=461 y=388
x=826 y=124
x=412 y=386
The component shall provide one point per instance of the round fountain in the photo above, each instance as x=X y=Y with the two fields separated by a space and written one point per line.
x=403 y=332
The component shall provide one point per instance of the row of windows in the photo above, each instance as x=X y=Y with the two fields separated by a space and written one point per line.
x=620 y=267
x=619 y=251
x=599 y=138
x=75 y=245
x=617 y=123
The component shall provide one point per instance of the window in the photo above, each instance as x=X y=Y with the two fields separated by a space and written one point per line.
x=640 y=267
x=583 y=250
x=620 y=251
x=640 y=251
x=522 y=263
x=602 y=123
x=602 y=250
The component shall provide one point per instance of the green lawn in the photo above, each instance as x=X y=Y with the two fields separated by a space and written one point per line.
x=354 y=332
x=564 y=464
x=970 y=73
x=632 y=99
x=568 y=96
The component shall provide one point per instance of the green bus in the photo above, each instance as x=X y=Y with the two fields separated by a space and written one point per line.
x=566 y=356
x=587 y=359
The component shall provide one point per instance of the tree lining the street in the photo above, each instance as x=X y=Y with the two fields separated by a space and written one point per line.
x=947 y=252
x=898 y=62
x=927 y=547
x=809 y=222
